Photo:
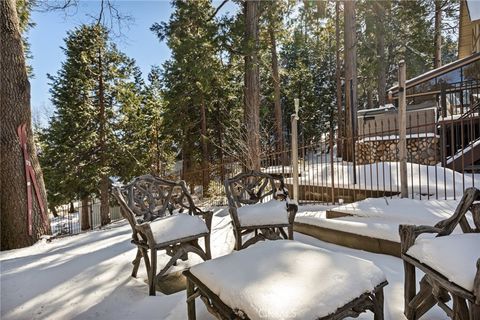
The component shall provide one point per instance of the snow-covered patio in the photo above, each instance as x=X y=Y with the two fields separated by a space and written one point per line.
x=88 y=277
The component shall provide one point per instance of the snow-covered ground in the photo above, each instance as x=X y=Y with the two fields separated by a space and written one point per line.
x=87 y=276
x=427 y=181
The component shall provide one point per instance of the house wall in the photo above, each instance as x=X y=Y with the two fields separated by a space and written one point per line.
x=469 y=34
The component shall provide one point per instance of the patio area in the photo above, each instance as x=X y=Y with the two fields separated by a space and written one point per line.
x=88 y=276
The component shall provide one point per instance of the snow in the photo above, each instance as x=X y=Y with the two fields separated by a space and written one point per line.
x=275 y=274
x=454 y=256
x=177 y=226
x=380 y=218
x=418 y=211
x=261 y=214
x=435 y=181
x=87 y=276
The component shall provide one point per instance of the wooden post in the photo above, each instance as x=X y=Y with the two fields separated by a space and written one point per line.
x=402 y=120
x=294 y=119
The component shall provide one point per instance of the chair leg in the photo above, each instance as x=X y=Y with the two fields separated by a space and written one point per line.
x=136 y=262
x=153 y=272
x=410 y=289
x=378 y=304
x=460 y=310
x=208 y=251
x=238 y=239
x=474 y=311
x=290 y=232
x=191 y=300
x=424 y=299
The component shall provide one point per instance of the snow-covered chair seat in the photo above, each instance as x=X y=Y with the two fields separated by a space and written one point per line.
x=162 y=216
x=258 y=203
x=178 y=226
x=453 y=256
x=451 y=263
x=286 y=280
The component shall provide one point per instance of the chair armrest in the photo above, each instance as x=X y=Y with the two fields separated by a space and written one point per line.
x=409 y=233
x=208 y=217
x=145 y=232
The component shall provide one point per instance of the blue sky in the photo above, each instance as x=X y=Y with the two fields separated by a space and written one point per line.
x=138 y=42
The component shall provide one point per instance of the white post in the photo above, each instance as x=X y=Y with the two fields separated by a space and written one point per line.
x=402 y=121
x=294 y=119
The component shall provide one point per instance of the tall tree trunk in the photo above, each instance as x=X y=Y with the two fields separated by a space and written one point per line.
x=276 y=93
x=104 y=199
x=381 y=64
x=15 y=110
x=252 y=85
x=438 y=34
x=338 y=75
x=85 y=214
x=350 y=76
x=205 y=155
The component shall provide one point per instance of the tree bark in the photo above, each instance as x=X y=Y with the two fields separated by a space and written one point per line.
x=252 y=85
x=437 y=62
x=338 y=75
x=15 y=110
x=85 y=214
x=205 y=155
x=381 y=64
x=276 y=94
x=104 y=198
x=350 y=75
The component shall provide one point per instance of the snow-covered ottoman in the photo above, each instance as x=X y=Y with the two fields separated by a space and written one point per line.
x=286 y=279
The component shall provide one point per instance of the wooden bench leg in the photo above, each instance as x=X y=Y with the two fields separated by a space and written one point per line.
x=136 y=262
x=410 y=289
x=153 y=272
x=191 y=300
x=378 y=303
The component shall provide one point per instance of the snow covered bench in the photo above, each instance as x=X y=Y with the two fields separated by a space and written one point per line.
x=286 y=280
x=451 y=263
x=163 y=216
x=258 y=203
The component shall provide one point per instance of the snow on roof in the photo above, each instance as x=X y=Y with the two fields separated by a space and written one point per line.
x=473 y=9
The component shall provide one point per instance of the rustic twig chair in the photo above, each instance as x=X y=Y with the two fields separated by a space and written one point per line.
x=258 y=202
x=163 y=216
x=451 y=263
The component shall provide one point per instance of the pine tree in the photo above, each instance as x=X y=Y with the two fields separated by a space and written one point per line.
x=81 y=146
x=193 y=84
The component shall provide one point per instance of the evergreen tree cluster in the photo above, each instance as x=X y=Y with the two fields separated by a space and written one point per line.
x=191 y=108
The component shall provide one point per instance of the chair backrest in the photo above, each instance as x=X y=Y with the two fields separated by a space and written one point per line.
x=148 y=197
x=253 y=187
x=469 y=202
